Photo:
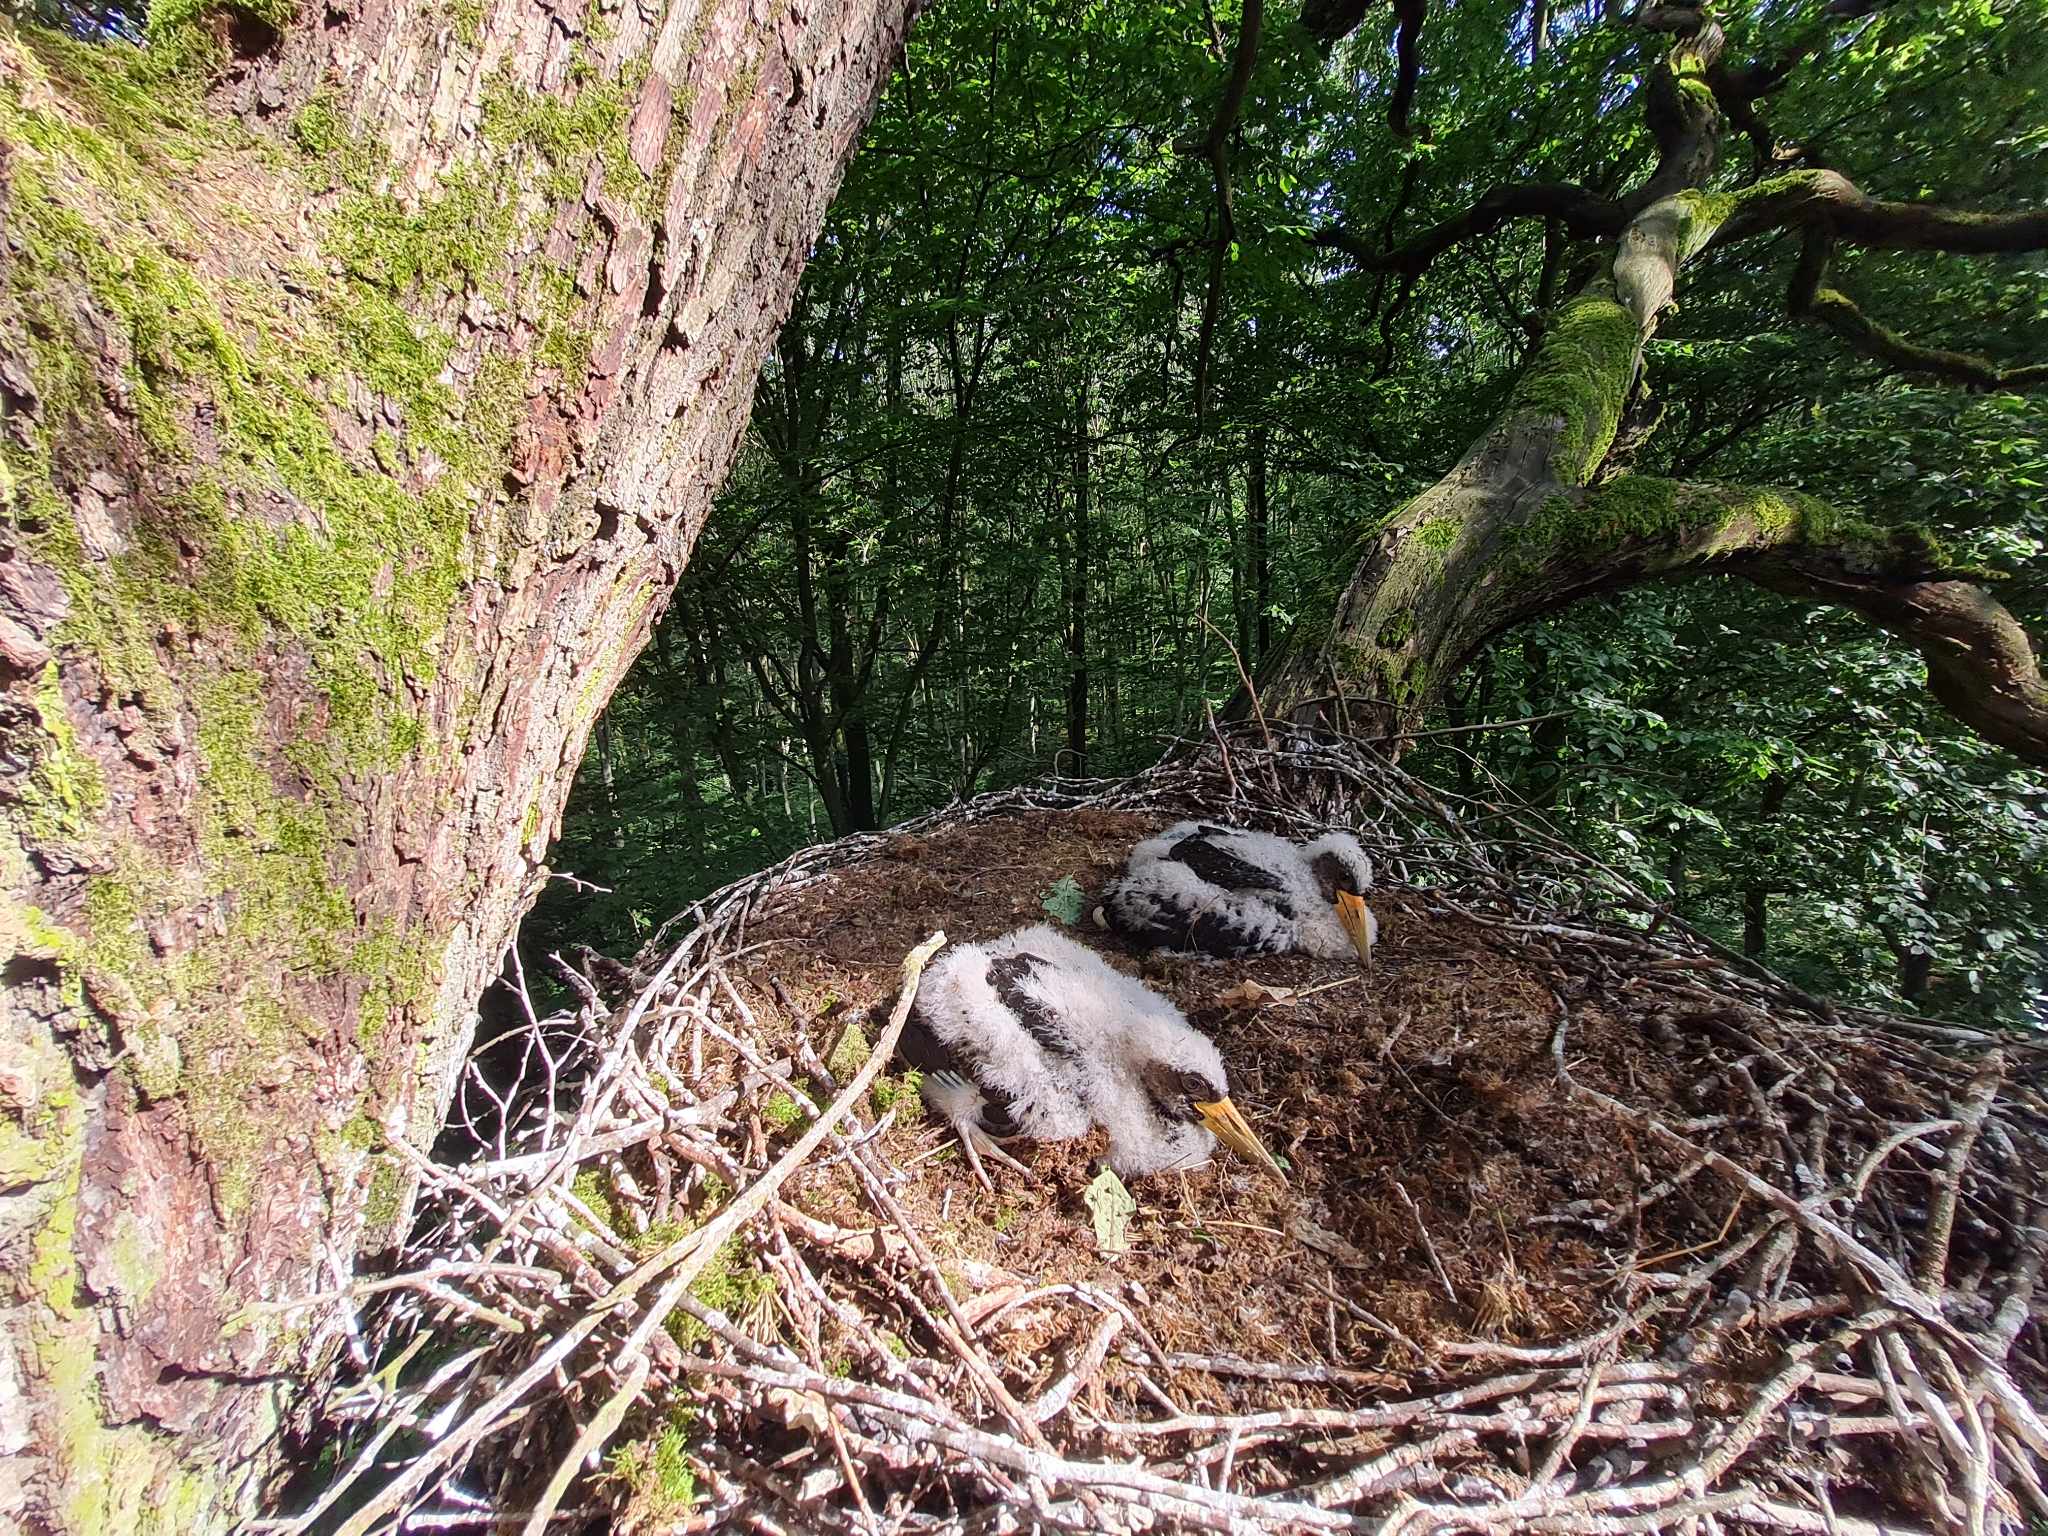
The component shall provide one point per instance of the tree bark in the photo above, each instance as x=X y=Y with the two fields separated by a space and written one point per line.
x=360 y=415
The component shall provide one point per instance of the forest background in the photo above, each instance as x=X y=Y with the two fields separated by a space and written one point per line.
x=1019 y=495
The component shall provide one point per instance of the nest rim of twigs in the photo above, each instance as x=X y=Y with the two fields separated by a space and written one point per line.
x=1569 y=1434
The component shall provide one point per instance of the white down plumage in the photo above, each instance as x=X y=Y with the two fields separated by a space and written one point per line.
x=1033 y=1035
x=1230 y=891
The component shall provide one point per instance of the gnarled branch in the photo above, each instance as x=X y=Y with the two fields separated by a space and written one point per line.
x=1981 y=663
x=1811 y=297
x=1482 y=551
x=1585 y=214
x=1329 y=22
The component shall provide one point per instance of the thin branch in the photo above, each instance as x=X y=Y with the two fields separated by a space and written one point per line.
x=1585 y=215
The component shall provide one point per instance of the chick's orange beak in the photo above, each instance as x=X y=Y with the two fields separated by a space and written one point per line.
x=1359 y=924
x=1235 y=1132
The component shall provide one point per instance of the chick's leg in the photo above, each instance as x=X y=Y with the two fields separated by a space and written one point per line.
x=974 y=1141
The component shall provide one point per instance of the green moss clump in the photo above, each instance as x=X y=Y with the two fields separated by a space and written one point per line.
x=591 y=1188
x=1580 y=378
x=1691 y=521
x=782 y=1112
x=1633 y=506
x=850 y=1054
x=65 y=787
x=659 y=1235
x=1438 y=533
x=1395 y=632
x=658 y=1469
x=1700 y=214
x=887 y=1092
x=728 y=1284
x=317 y=127
x=466 y=20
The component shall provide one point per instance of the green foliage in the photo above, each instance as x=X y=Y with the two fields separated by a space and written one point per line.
x=1063 y=901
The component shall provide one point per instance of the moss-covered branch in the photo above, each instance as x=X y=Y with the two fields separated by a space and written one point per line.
x=1811 y=296
x=1981 y=664
x=1830 y=199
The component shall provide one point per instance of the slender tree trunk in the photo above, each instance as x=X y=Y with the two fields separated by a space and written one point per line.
x=1258 y=548
x=1756 y=893
x=615 y=830
x=1916 y=971
x=360 y=421
x=1755 y=911
x=1077 y=594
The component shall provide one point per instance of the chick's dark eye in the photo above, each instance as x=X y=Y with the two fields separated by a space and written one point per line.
x=1198 y=1089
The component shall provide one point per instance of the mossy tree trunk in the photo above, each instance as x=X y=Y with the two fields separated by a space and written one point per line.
x=1533 y=517
x=367 y=375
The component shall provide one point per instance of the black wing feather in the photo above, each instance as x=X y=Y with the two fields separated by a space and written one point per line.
x=1006 y=979
x=1221 y=867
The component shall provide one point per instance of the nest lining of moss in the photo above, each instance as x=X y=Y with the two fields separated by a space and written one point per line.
x=1589 y=1227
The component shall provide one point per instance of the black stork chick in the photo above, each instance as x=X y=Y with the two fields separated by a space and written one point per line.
x=1032 y=1035
x=1229 y=891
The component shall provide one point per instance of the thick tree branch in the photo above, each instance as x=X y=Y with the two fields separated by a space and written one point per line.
x=1678 y=107
x=1484 y=550
x=1409 y=15
x=1981 y=663
x=1811 y=297
x=1585 y=214
x=1329 y=22
x=1830 y=199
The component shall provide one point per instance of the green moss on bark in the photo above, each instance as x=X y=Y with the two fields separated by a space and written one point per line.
x=1681 y=524
x=256 y=527
x=1579 y=379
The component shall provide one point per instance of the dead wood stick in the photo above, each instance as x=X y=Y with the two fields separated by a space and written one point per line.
x=1884 y=1149
x=1428 y=1243
x=593 y=1439
x=693 y=1251
x=690 y=1254
x=1561 y=1447
x=1932 y=1270
x=1054 y=1399
x=1884 y=1276
x=766 y=1368
x=1368 y=1477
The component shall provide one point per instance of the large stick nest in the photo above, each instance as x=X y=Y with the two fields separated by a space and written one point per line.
x=1590 y=1226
